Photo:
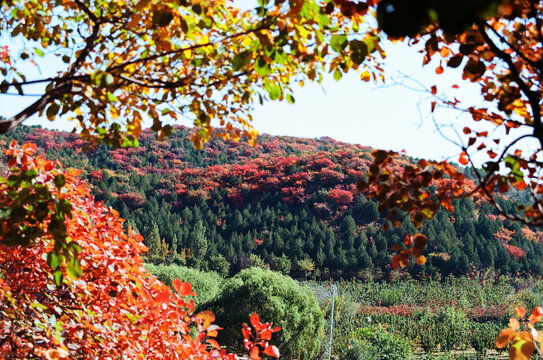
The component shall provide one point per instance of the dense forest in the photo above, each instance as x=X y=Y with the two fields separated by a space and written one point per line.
x=289 y=204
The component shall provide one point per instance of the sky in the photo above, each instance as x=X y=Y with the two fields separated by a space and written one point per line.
x=391 y=116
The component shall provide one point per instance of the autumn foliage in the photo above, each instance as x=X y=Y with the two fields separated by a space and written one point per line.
x=522 y=343
x=115 y=309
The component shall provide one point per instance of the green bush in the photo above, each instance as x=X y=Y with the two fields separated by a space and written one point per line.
x=276 y=298
x=384 y=345
x=454 y=327
x=483 y=337
x=358 y=350
x=207 y=285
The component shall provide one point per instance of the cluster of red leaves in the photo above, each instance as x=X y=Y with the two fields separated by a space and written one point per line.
x=257 y=339
x=340 y=196
x=523 y=343
x=4 y=54
x=114 y=310
x=514 y=251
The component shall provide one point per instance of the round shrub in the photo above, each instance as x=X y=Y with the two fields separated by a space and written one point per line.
x=275 y=298
x=207 y=285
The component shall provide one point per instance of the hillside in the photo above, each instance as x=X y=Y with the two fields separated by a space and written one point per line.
x=287 y=199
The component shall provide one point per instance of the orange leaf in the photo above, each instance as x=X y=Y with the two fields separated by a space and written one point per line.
x=177 y=285
x=213 y=343
x=514 y=324
x=421 y=260
x=505 y=337
x=272 y=350
x=537 y=314
x=396 y=247
x=439 y=70
x=520 y=311
x=420 y=241
x=464 y=160
x=207 y=316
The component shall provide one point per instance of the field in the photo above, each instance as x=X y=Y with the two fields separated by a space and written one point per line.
x=455 y=318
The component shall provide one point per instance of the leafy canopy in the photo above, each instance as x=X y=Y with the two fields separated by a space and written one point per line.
x=128 y=61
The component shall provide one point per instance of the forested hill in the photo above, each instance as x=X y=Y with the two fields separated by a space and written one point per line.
x=288 y=203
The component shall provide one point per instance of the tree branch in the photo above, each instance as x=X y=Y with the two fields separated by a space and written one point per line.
x=533 y=96
x=39 y=105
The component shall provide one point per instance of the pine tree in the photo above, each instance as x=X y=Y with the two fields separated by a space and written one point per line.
x=153 y=242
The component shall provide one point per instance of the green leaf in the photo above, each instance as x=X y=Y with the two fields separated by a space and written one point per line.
x=111 y=97
x=338 y=43
x=14 y=181
x=54 y=260
x=273 y=89
x=337 y=75
x=38 y=52
x=60 y=181
x=290 y=99
x=29 y=174
x=73 y=268
x=59 y=277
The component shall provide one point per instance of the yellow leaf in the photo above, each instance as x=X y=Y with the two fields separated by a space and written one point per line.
x=522 y=347
x=365 y=76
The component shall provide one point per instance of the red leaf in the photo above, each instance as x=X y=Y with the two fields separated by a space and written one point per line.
x=246 y=332
x=177 y=285
x=50 y=165
x=254 y=353
x=272 y=350
x=467 y=130
x=434 y=89
x=186 y=289
x=433 y=106
x=492 y=154
x=254 y=319
x=163 y=296
x=439 y=70
x=471 y=141
x=266 y=335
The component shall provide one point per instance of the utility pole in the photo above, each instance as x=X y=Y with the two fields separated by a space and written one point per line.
x=334 y=293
